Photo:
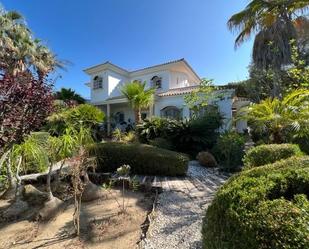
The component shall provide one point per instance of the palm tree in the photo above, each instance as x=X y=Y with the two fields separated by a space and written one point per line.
x=278 y=116
x=138 y=96
x=19 y=52
x=67 y=94
x=274 y=22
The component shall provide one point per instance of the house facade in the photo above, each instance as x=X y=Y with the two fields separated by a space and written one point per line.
x=173 y=80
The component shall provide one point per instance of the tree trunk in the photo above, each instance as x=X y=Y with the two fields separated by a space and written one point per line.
x=58 y=175
x=138 y=116
x=48 y=180
x=11 y=190
x=18 y=195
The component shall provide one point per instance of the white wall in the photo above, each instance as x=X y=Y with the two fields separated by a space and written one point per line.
x=178 y=101
x=178 y=79
x=165 y=75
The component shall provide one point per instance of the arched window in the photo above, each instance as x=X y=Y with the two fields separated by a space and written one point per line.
x=97 y=82
x=171 y=112
x=156 y=81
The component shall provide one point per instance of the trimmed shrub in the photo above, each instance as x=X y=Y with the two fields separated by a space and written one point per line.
x=269 y=153
x=229 y=151
x=162 y=143
x=206 y=159
x=143 y=159
x=265 y=207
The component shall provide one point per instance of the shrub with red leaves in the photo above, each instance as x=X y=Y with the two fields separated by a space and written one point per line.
x=25 y=102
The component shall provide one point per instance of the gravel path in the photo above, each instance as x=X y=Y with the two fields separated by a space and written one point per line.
x=178 y=217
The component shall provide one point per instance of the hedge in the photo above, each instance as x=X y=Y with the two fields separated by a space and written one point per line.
x=143 y=159
x=265 y=207
x=270 y=153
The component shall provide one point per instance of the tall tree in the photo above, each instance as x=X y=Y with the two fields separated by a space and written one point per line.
x=67 y=95
x=274 y=22
x=138 y=96
x=19 y=51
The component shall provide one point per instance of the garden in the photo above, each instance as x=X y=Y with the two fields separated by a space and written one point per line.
x=65 y=183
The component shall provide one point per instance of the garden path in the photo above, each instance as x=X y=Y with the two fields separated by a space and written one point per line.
x=177 y=219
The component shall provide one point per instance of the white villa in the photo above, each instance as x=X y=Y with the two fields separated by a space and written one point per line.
x=173 y=80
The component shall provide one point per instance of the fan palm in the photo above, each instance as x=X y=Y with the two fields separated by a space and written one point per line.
x=19 y=51
x=278 y=116
x=274 y=22
x=138 y=96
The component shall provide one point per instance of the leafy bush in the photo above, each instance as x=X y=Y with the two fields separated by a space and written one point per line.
x=87 y=115
x=269 y=153
x=206 y=159
x=162 y=143
x=143 y=159
x=229 y=151
x=156 y=127
x=265 y=207
x=186 y=136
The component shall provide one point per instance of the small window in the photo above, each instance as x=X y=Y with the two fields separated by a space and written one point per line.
x=97 y=82
x=171 y=112
x=156 y=82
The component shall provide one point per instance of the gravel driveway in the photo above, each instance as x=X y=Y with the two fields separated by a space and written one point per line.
x=177 y=220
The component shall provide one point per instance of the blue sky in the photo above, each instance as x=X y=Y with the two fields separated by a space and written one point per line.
x=138 y=33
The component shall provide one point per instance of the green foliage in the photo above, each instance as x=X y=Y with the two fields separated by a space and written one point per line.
x=282 y=119
x=32 y=151
x=156 y=127
x=143 y=159
x=265 y=207
x=229 y=151
x=189 y=137
x=138 y=96
x=68 y=95
x=270 y=153
x=84 y=115
x=298 y=73
x=199 y=99
x=162 y=143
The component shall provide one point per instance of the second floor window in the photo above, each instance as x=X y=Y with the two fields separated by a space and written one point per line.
x=156 y=82
x=97 y=82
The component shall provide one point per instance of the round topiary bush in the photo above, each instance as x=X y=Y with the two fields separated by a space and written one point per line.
x=206 y=159
x=265 y=207
x=270 y=153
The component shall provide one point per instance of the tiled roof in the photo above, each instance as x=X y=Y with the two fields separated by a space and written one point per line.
x=178 y=91
x=158 y=65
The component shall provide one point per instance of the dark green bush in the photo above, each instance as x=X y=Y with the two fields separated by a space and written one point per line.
x=265 y=207
x=189 y=137
x=162 y=143
x=229 y=151
x=269 y=153
x=143 y=159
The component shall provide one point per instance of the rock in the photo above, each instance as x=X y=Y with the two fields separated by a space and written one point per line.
x=92 y=192
x=34 y=196
x=50 y=209
x=206 y=159
x=15 y=210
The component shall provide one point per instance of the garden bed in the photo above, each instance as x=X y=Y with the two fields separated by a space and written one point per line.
x=102 y=225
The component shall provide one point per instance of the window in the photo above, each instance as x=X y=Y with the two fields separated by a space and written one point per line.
x=171 y=112
x=156 y=81
x=97 y=82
